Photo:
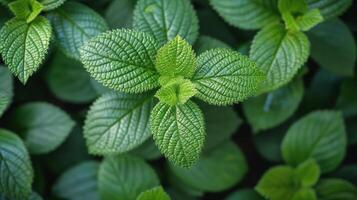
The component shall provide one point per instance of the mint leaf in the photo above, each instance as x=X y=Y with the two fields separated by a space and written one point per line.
x=244 y=194
x=49 y=5
x=123 y=60
x=122 y=19
x=23 y=46
x=330 y=8
x=305 y=194
x=280 y=54
x=156 y=193
x=78 y=182
x=69 y=81
x=74 y=24
x=247 y=14
x=178 y=131
x=26 y=10
x=6 y=89
x=130 y=176
x=16 y=173
x=336 y=189
x=333 y=47
x=269 y=110
x=118 y=122
x=225 y=77
x=347 y=100
x=217 y=170
x=43 y=126
x=309 y=19
x=320 y=135
x=164 y=20
x=176 y=58
x=308 y=173
x=205 y=43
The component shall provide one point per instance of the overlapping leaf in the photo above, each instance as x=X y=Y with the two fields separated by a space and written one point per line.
x=6 y=89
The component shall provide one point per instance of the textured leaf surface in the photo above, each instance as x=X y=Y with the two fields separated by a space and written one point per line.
x=78 y=182
x=26 y=10
x=118 y=122
x=225 y=77
x=247 y=14
x=320 y=135
x=6 y=89
x=43 y=126
x=74 y=24
x=178 y=131
x=123 y=60
x=336 y=189
x=119 y=13
x=165 y=20
x=23 y=46
x=51 y=4
x=157 y=193
x=216 y=170
x=16 y=174
x=205 y=43
x=330 y=8
x=124 y=177
x=279 y=54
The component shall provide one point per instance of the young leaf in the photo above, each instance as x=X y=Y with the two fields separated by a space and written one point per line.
x=49 y=5
x=23 y=46
x=280 y=54
x=122 y=60
x=205 y=43
x=118 y=122
x=178 y=131
x=308 y=173
x=43 y=126
x=336 y=189
x=165 y=20
x=305 y=194
x=124 y=177
x=122 y=19
x=330 y=8
x=6 y=89
x=309 y=19
x=225 y=77
x=176 y=58
x=16 y=173
x=247 y=14
x=156 y=193
x=320 y=135
x=26 y=10
x=79 y=182
x=74 y=24
x=217 y=170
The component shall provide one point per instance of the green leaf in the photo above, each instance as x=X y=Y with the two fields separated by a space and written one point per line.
x=23 y=46
x=78 y=182
x=178 y=131
x=148 y=150
x=123 y=60
x=347 y=99
x=333 y=47
x=292 y=6
x=156 y=193
x=205 y=43
x=320 y=135
x=118 y=122
x=280 y=54
x=16 y=173
x=347 y=172
x=309 y=19
x=225 y=77
x=269 y=110
x=49 y=5
x=26 y=10
x=124 y=177
x=43 y=126
x=122 y=19
x=164 y=20
x=305 y=194
x=247 y=14
x=74 y=24
x=244 y=194
x=176 y=58
x=6 y=89
x=308 y=173
x=277 y=183
x=69 y=81
x=217 y=170
x=330 y=8
x=336 y=189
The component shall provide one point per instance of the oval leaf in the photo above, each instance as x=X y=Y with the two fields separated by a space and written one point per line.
x=157 y=193
x=51 y=4
x=6 y=89
x=330 y=8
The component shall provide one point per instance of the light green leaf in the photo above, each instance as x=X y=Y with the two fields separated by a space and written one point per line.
x=23 y=46
x=119 y=13
x=217 y=170
x=6 y=89
x=225 y=77
x=156 y=193
x=247 y=14
x=305 y=194
x=26 y=10
x=78 y=182
x=124 y=177
x=43 y=126
x=320 y=135
x=330 y=8
x=292 y=6
x=336 y=189
x=123 y=60
x=244 y=194
x=308 y=173
x=69 y=81
x=205 y=43
x=269 y=110
x=165 y=20
x=74 y=24
x=16 y=173
x=178 y=131
x=118 y=122
x=280 y=54
x=333 y=47
x=309 y=19
x=49 y=5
